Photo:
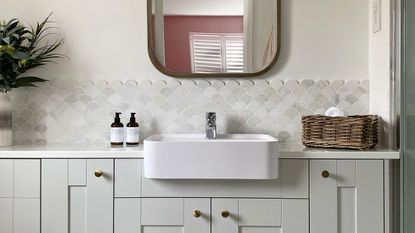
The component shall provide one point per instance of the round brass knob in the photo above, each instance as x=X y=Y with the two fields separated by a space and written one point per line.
x=98 y=173
x=325 y=174
x=197 y=213
x=225 y=213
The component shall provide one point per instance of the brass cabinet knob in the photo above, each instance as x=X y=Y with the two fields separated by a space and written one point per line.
x=325 y=174
x=98 y=173
x=197 y=213
x=225 y=213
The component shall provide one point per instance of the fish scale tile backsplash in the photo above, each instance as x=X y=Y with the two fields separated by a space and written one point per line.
x=68 y=111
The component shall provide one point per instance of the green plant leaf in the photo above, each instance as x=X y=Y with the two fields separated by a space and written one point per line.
x=6 y=40
x=31 y=79
x=24 y=48
x=20 y=55
x=23 y=84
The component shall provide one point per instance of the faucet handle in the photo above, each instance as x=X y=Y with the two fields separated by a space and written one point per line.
x=211 y=116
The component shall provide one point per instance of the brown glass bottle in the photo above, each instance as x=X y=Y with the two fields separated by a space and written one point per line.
x=132 y=132
x=117 y=131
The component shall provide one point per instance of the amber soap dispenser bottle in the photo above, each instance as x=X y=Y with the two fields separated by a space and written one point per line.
x=117 y=131
x=132 y=133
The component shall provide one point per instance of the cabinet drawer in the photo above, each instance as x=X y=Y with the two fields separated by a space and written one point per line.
x=170 y=215
x=292 y=183
x=260 y=212
x=260 y=215
x=162 y=211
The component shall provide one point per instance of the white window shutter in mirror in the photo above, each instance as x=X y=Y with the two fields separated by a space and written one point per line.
x=217 y=53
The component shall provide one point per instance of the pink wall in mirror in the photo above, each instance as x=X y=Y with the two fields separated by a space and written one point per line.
x=176 y=33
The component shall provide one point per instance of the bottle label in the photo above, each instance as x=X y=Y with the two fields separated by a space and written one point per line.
x=117 y=135
x=132 y=135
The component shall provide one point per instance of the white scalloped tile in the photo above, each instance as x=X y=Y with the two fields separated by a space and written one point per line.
x=365 y=84
x=269 y=91
x=291 y=84
x=322 y=83
x=218 y=84
x=232 y=84
x=262 y=84
x=247 y=99
x=71 y=111
x=284 y=91
x=247 y=83
x=351 y=84
x=276 y=84
x=307 y=83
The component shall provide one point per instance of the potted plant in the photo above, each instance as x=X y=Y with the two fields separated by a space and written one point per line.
x=22 y=48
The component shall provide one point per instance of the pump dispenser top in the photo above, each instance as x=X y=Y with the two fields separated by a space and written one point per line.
x=117 y=119
x=133 y=122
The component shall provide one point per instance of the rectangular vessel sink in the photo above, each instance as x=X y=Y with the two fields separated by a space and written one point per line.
x=230 y=156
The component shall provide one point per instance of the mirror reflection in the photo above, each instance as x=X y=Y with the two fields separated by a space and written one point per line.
x=213 y=36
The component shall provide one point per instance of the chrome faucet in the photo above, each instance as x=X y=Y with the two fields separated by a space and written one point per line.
x=211 y=132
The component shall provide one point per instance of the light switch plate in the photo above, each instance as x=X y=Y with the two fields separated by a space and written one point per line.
x=376 y=16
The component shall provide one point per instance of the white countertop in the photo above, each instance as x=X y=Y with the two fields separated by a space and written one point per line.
x=288 y=150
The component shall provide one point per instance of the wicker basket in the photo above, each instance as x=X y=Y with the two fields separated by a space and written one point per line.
x=353 y=132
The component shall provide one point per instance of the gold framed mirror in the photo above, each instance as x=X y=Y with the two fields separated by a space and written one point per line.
x=214 y=38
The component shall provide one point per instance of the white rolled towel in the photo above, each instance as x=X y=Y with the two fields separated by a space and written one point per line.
x=335 y=112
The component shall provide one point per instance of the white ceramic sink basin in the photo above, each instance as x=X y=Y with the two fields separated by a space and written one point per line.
x=230 y=156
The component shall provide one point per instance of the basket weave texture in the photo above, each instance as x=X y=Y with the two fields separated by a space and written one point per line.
x=352 y=132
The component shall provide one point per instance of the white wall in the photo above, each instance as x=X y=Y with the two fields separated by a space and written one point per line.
x=203 y=7
x=380 y=70
x=107 y=39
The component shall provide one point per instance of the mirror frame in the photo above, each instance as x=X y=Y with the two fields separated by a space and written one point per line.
x=165 y=71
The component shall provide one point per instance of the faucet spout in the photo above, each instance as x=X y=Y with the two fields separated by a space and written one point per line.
x=211 y=132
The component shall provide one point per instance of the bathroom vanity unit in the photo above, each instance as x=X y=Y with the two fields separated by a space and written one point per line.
x=93 y=189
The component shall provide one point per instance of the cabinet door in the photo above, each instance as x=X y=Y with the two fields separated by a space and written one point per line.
x=175 y=215
x=99 y=196
x=19 y=196
x=346 y=196
x=76 y=199
x=259 y=216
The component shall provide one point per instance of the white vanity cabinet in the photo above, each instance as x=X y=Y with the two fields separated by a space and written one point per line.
x=259 y=215
x=19 y=196
x=211 y=206
x=112 y=196
x=346 y=196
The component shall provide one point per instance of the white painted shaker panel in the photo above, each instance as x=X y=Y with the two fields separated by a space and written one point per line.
x=128 y=174
x=127 y=215
x=100 y=195
x=77 y=172
x=27 y=178
x=55 y=196
x=6 y=178
x=77 y=207
x=26 y=215
x=6 y=215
